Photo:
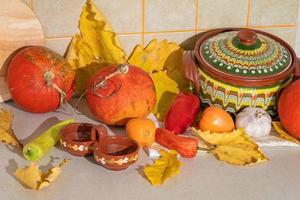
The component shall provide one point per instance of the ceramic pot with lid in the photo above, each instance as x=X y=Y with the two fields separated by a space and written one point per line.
x=237 y=68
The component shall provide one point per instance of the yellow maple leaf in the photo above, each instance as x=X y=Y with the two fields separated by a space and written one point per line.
x=80 y=53
x=282 y=133
x=174 y=67
x=166 y=90
x=98 y=34
x=154 y=56
x=163 y=168
x=95 y=47
x=6 y=133
x=163 y=61
x=34 y=178
x=234 y=147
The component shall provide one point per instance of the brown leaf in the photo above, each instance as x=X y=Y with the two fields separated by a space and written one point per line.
x=6 y=133
x=34 y=178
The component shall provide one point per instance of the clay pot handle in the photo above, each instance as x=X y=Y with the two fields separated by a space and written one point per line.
x=97 y=132
x=297 y=70
x=191 y=69
x=247 y=37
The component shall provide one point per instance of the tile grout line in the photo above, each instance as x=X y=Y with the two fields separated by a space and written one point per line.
x=196 y=18
x=169 y=31
x=248 y=13
x=143 y=23
x=276 y=26
x=177 y=31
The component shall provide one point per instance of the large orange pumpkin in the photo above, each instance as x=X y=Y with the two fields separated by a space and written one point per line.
x=39 y=79
x=122 y=97
x=289 y=109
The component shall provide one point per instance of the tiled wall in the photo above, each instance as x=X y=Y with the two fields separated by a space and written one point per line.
x=139 y=21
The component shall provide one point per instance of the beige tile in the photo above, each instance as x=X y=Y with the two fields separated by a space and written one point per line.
x=161 y=15
x=219 y=14
x=59 y=17
x=128 y=42
x=124 y=16
x=186 y=39
x=58 y=45
x=273 y=12
x=287 y=34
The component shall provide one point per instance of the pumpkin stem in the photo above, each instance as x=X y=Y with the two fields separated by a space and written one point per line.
x=49 y=76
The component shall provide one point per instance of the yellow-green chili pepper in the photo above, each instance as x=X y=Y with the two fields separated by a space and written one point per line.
x=41 y=145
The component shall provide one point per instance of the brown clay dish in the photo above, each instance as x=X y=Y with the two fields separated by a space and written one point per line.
x=234 y=68
x=78 y=138
x=247 y=37
x=116 y=152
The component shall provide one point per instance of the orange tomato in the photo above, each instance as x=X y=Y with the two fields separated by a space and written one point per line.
x=216 y=119
x=141 y=130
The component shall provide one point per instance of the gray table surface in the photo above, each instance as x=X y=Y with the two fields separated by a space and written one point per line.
x=203 y=177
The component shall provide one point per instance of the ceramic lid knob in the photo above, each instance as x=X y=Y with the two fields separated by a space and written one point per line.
x=247 y=37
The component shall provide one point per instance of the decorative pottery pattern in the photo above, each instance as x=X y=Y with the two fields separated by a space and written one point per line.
x=120 y=161
x=233 y=98
x=227 y=54
x=74 y=147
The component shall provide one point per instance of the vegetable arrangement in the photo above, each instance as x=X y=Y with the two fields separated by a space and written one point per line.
x=40 y=146
x=94 y=55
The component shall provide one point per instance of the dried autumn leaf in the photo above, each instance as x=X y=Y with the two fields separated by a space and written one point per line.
x=166 y=90
x=234 y=147
x=95 y=47
x=282 y=133
x=6 y=133
x=174 y=67
x=34 y=178
x=80 y=53
x=98 y=34
x=163 y=61
x=154 y=56
x=163 y=168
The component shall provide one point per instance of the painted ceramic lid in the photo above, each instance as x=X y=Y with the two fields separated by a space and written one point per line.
x=258 y=55
x=245 y=57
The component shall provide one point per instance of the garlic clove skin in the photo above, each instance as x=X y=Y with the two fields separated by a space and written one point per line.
x=255 y=121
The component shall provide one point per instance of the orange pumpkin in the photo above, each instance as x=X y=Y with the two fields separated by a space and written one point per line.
x=39 y=79
x=122 y=96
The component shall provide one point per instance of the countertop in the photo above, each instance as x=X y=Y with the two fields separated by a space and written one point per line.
x=203 y=177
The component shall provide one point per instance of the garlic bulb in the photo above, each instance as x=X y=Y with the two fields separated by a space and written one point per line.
x=256 y=121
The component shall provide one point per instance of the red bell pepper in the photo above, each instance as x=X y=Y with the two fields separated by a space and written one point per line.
x=182 y=112
x=185 y=146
